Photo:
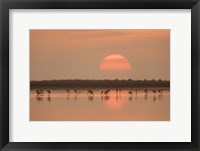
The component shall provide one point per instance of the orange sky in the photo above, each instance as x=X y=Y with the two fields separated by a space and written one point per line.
x=81 y=54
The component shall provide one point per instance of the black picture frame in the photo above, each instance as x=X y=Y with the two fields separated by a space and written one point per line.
x=5 y=5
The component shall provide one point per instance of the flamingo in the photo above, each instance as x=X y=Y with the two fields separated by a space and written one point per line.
x=136 y=91
x=76 y=92
x=49 y=91
x=154 y=91
x=39 y=92
x=106 y=92
x=120 y=93
x=117 y=90
x=90 y=92
x=146 y=93
x=130 y=92
x=101 y=93
x=160 y=91
x=42 y=92
x=68 y=92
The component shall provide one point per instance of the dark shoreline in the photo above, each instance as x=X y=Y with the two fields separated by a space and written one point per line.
x=98 y=84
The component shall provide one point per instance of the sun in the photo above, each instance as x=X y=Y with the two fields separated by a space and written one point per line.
x=115 y=62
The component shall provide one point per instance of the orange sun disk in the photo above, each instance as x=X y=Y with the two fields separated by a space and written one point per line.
x=115 y=62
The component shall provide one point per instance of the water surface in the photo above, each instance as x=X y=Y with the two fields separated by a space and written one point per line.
x=60 y=106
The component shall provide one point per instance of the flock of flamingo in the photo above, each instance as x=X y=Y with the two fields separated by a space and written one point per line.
x=40 y=92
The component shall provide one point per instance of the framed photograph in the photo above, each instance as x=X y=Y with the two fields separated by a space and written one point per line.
x=99 y=74
x=99 y=85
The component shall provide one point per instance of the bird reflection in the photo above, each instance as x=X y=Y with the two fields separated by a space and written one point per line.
x=145 y=96
x=130 y=98
x=39 y=98
x=160 y=96
x=75 y=97
x=91 y=98
x=49 y=98
x=135 y=97
x=68 y=97
x=154 y=98
x=107 y=98
x=116 y=97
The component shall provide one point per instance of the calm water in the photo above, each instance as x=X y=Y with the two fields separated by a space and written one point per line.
x=59 y=106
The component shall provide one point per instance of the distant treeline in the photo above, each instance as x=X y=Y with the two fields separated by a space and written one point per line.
x=95 y=84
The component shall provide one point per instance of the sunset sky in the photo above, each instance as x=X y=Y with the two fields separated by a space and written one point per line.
x=99 y=54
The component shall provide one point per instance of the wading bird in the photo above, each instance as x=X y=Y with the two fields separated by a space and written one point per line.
x=101 y=93
x=106 y=92
x=39 y=92
x=42 y=92
x=136 y=91
x=130 y=92
x=160 y=91
x=48 y=91
x=76 y=92
x=146 y=94
x=117 y=90
x=90 y=92
x=68 y=92
x=154 y=91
